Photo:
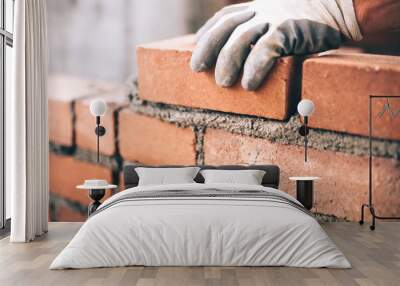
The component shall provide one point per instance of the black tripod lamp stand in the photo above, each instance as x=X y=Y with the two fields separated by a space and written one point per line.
x=388 y=111
x=305 y=108
x=98 y=108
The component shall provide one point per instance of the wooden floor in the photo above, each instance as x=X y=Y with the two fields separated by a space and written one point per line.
x=375 y=257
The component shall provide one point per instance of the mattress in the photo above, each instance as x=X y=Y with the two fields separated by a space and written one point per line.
x=201 y=225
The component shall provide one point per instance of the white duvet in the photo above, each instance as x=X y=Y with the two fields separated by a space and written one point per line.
x=200 y=231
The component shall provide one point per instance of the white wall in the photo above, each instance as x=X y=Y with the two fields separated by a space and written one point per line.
x=97 y=38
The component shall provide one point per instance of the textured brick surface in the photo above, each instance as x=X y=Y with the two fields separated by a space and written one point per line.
x=165 y=76
x=344 y=183
x=340 y=85
x=66 y=173
x=86 y=122
x=63 y=91
x=143 y=136
x=152 y=141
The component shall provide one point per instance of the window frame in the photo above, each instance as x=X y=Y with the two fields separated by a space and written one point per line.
x=6 y=39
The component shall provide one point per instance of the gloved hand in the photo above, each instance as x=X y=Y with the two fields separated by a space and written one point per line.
x=253 y=35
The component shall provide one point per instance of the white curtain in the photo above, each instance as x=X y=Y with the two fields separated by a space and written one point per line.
x=27 y=142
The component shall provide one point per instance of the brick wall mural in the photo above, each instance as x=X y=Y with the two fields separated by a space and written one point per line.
x=173 y=116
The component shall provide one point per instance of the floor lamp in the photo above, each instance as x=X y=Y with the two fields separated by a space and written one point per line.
x=386 y=109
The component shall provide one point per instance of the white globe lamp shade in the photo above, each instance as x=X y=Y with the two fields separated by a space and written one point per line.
x=306 y=107
x=98 y=107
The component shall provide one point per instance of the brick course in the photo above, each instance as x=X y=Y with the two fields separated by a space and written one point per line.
x=63 y=92
x=86 y=122
x=344 y=183
x=340 y=85
x=66 y=173
x=152 y=141
x=165 y=76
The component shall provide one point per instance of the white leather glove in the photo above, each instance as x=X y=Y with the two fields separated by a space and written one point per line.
x=253 y=35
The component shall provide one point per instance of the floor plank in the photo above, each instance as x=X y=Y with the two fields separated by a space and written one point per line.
x=375 y=257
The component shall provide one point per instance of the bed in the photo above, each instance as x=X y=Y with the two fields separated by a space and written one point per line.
x=201 y=224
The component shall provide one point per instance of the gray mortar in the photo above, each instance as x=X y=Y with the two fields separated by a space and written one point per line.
x=61 y=150
x=91 y=157
x=199 y=131
x=274 y=131
x=84 y=155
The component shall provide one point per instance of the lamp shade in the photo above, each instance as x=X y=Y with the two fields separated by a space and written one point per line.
x=306 y=107
x=98 y=107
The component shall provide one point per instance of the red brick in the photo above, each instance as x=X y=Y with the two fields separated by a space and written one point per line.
x=66 y=214
x=63 y=91
x=86 y=123
x=151 y=141
x=340 y=85
x=165 y=76
x=344 y=184
x=67 y=172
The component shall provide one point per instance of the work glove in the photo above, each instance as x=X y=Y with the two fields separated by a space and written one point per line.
x=253 y=35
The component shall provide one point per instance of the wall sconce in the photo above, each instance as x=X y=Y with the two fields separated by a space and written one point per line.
x=98 y=108
x=305 y=108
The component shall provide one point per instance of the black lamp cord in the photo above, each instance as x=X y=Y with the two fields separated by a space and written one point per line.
x=305 y=137
x=98 y=137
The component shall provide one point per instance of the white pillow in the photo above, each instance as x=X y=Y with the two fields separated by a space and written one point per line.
x=248 y=177
x=166 y=176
